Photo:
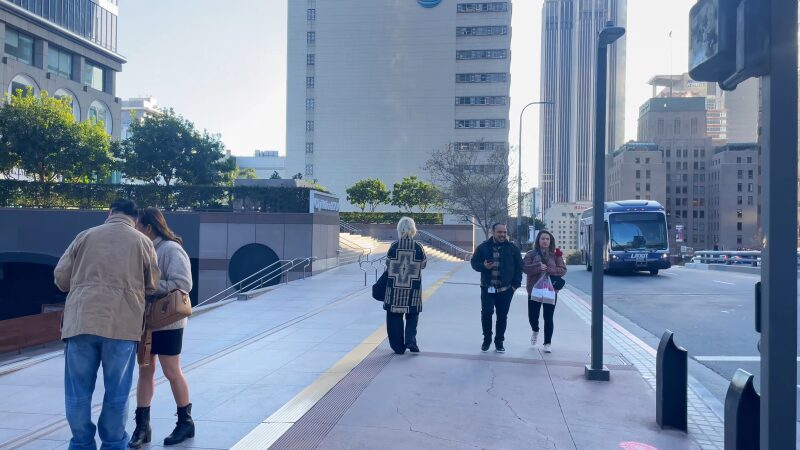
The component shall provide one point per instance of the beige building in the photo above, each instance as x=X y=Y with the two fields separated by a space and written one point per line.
x=636 y=171
x=678 y=127
x=562 y=221
x=733 y=197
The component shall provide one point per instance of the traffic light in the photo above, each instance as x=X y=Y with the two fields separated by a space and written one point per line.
x=729 y=41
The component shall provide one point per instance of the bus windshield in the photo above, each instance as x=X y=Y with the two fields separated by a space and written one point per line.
x=638 y=231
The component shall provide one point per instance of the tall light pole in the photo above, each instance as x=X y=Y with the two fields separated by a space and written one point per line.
x=596 y=370
x=519 y=172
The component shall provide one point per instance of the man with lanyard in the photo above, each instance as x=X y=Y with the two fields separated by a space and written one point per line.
x=500 y=265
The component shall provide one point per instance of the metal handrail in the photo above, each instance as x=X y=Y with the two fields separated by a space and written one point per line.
x=365 y=251
x=348 y=227
x=749 y=257
x=371 y=262
x=284 y=266
x=449 y=246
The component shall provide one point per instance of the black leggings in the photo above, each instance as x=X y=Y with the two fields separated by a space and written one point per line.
x=533 y=318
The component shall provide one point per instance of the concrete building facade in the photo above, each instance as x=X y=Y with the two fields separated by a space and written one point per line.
x=733 y=192
x=375 y=87
x=67 y=48
x=569 y=57
x=265 y=163
x=137 y=109
x=636 y=171
x=678 y=127
x=562 y=220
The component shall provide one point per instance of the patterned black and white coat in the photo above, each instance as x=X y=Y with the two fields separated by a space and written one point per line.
x=404 y=263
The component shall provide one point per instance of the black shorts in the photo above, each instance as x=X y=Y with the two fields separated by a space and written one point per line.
x=167 y=342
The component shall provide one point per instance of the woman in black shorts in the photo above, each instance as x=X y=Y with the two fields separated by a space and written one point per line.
x=176 y=273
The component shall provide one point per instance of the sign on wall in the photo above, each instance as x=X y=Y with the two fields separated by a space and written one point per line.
x=323 y=203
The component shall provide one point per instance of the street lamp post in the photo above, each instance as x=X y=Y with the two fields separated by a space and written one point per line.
x=596 y=370
x=519 y=172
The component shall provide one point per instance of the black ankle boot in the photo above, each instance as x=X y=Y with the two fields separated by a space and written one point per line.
x=142 y=434
x=184 y=428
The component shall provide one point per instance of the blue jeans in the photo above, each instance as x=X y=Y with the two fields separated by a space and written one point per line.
x=83 y=356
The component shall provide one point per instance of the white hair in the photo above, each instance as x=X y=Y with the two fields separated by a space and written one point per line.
x=406 y=228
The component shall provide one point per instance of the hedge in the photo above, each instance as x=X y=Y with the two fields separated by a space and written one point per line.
x=394 y=217
x=30 y=194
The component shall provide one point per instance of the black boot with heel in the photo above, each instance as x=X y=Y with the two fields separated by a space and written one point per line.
x=142 y=434
x=184 y=428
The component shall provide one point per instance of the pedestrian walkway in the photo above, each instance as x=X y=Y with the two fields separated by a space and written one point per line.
x=306 y=366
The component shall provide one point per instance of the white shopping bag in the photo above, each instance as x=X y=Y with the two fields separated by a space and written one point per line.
x=543 y=291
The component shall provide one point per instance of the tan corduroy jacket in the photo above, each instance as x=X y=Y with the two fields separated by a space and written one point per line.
x=107 y=271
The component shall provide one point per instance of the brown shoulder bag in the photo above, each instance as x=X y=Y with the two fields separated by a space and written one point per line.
x=168 y=309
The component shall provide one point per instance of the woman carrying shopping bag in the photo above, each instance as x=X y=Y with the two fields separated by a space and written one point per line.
x=544 y=266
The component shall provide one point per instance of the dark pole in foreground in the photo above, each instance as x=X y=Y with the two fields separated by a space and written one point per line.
x=596 y=370
x=779 y=229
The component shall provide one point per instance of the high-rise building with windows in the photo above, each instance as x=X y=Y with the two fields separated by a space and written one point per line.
x=375 y=87
x=67 y=48
x=569 y=58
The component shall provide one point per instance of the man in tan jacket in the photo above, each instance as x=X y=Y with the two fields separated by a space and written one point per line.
x=107 y=270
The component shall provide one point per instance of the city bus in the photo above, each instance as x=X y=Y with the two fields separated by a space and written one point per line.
x=636 y=236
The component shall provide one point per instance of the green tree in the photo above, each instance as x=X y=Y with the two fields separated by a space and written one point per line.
x=412 y=192
x=166 y=148
x=275 y=176
x=370 y=193
x=297 y=176
x=40 y=136
x=247 y=173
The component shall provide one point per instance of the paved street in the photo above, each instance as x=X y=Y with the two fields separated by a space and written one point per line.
x=711 y=313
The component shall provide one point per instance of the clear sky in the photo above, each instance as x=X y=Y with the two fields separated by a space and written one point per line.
x=223 y=64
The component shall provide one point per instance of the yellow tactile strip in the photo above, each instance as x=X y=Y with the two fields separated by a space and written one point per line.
x=277 y=425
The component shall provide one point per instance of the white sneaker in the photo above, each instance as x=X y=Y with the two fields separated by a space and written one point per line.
x=534 y=337
x=547 y=348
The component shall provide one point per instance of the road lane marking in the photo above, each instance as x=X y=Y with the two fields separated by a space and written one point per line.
x=723 y=282
x=730 y=358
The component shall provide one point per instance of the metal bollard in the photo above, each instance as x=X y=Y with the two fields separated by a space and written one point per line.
x=672 y=377
x=742 y=413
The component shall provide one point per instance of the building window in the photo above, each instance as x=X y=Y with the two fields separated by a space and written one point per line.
x=638 y=174
x=309 y=82
x=749 y=160
x=479 y=146
x=750 y=200
x=694 y=125
x=19 y=46
x=59 y=62
x=677 y=129
x=496 y=30
x=647 y=187
x=311 y=15
x=739 y=213
x=739 y=174
x=65 y=94
x=309 y=126
x=738 y=160
x=738 y=187
x=93 y=76
x=739 y=200
x=647 y=160
x=309 y=104
x=638 y=187
x=667 y=151
x=309 y=147
x=739 y=239
x=22 y=83
x=749 y=174
x=749 y=187
x=485 y=100
x=309 y=169
x=647 y=174
x=311 y=37
x=482 y=54
x=481 y=77
x=481 y=123
x=482 y=7
x=660 y=127
x=99 y=113
x=310 y=59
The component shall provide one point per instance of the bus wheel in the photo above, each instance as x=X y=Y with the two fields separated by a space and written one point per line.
x=653 y=271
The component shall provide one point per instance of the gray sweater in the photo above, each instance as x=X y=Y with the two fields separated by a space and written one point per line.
x=176 y=273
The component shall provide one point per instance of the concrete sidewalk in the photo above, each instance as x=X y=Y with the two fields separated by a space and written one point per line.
x=307 y=366
x=453 y=396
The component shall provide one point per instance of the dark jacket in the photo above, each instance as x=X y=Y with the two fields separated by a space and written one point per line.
x=404 y=263
x=510 y=263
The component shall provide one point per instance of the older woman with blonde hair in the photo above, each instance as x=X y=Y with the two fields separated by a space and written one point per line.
x=404 y=263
